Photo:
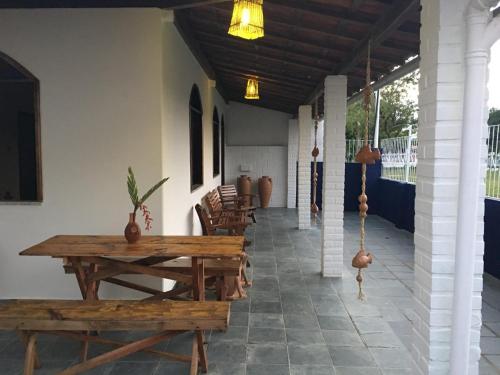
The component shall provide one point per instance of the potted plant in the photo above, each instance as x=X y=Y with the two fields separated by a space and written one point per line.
x=132 y=230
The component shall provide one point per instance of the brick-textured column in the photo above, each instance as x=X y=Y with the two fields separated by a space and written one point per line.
x=440 y=123
x=332 y=239
x=304 y=170
x=293 y=157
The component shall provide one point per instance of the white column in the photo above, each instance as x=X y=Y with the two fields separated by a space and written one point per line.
x=304 y=170
x=466 y=328
x=293 y=157
x=332 y=234
x=436 y=210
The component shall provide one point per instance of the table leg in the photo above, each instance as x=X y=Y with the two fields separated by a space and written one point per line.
x=30 y=360
x=198 y=267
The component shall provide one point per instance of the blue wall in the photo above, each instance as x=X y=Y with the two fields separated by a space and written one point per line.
x=395 y=202
x=492 y=237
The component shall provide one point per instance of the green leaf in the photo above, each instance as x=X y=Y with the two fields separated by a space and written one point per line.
x=132 y=188
x=152 y=190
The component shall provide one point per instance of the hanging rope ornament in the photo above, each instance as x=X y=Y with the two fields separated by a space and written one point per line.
x=365 y=156
x=315 y=154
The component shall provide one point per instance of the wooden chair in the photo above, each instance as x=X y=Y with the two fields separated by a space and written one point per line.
x=231 y=285
x=228 y=218
x=165 y=319
x=231 y=199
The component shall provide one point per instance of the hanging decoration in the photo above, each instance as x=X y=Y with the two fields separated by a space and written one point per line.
x=365 y=156
x=252 y=92
x=247 y=21
x=315 y=154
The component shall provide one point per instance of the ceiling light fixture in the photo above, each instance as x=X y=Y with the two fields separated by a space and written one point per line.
x=247 y=21
x=252 y=92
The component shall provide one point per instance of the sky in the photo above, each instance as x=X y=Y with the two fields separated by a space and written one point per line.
x=494 y=80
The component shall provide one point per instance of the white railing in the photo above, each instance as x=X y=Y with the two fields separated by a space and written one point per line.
x=399 y=158
x=352 y=147
x=493 y=163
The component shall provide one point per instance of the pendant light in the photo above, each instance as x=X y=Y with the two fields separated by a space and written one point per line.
x=248 y=19
x=252 y=92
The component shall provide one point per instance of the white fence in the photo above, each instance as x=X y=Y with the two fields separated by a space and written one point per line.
x=399 y=159
x=493 y=164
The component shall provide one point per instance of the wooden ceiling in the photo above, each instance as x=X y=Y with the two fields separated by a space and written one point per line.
x=305 y=40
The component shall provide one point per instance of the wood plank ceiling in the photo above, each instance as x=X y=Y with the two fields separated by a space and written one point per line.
x=305 y=40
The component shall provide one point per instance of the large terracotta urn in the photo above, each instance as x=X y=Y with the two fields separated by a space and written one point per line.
x=265 y=190
x=245 y=188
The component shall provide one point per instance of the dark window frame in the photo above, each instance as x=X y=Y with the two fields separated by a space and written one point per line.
x=216 y=143
x=37 y=128
x=196 y=139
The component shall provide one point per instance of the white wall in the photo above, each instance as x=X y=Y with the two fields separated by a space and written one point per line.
x=257 y=138
x=253 y=126
x=104 y=107
x=180 y=72
x=262 y=161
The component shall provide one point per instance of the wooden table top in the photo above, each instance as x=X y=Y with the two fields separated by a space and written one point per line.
x=117 y=246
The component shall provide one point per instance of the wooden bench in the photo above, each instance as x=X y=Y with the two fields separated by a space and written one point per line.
x=231 y=199
x=76 y=319
x=216 y=271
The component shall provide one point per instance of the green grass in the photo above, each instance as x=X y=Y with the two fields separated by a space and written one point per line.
x=492 y=179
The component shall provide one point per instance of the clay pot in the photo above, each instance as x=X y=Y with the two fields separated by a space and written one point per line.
x=265 y=190
x=245 y=188
x=132 y=230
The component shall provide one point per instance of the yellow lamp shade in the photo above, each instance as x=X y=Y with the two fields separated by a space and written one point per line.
x=252 y=92
x=248 y=19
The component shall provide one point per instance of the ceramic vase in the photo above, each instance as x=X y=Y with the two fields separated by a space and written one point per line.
x=132 y=230
x=245 y=188
x=265 y=190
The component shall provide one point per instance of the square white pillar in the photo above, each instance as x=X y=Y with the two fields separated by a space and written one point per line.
x=304 y=170
x=293 y=157
x=440 y=123
x=332 y=234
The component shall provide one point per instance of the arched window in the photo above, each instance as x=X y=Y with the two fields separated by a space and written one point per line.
x=21 y=176
x=196 y=138
x=216 y=143
x=223 y=150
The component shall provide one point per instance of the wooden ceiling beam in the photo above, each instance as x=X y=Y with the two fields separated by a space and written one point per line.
x=164 y=4
x=381 y=31
x=250 y=71
x=263 y=45
x=262 y=104
x=296 y=24
x=239 y=54
x=261 y=77
x=259 y=54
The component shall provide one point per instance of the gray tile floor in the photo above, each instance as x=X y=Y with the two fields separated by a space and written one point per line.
x=295 y=322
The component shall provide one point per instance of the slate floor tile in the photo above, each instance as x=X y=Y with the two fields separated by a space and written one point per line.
x=311 y=370
x=391 y=358
x=258 y=320
x=266 y=335
x=357 y=371
x=301 y=321
x=311 y=354
x=337 y=323
x=303 y=336
x=275 y=354
x=342 y=338
x=352 y=357
x=268 y=369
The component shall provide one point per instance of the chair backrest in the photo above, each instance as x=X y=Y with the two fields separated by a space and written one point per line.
x=213 y=202
x=228 y=193
x=206 y=223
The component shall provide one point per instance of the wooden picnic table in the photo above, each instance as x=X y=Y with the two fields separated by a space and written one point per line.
x=102 y=258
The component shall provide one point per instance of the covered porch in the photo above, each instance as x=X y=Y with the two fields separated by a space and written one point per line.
x=159 y=85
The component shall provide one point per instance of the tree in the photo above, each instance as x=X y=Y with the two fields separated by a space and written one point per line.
x=398 y=109
x=494 y=117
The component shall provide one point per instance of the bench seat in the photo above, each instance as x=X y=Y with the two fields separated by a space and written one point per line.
x=76 y=319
